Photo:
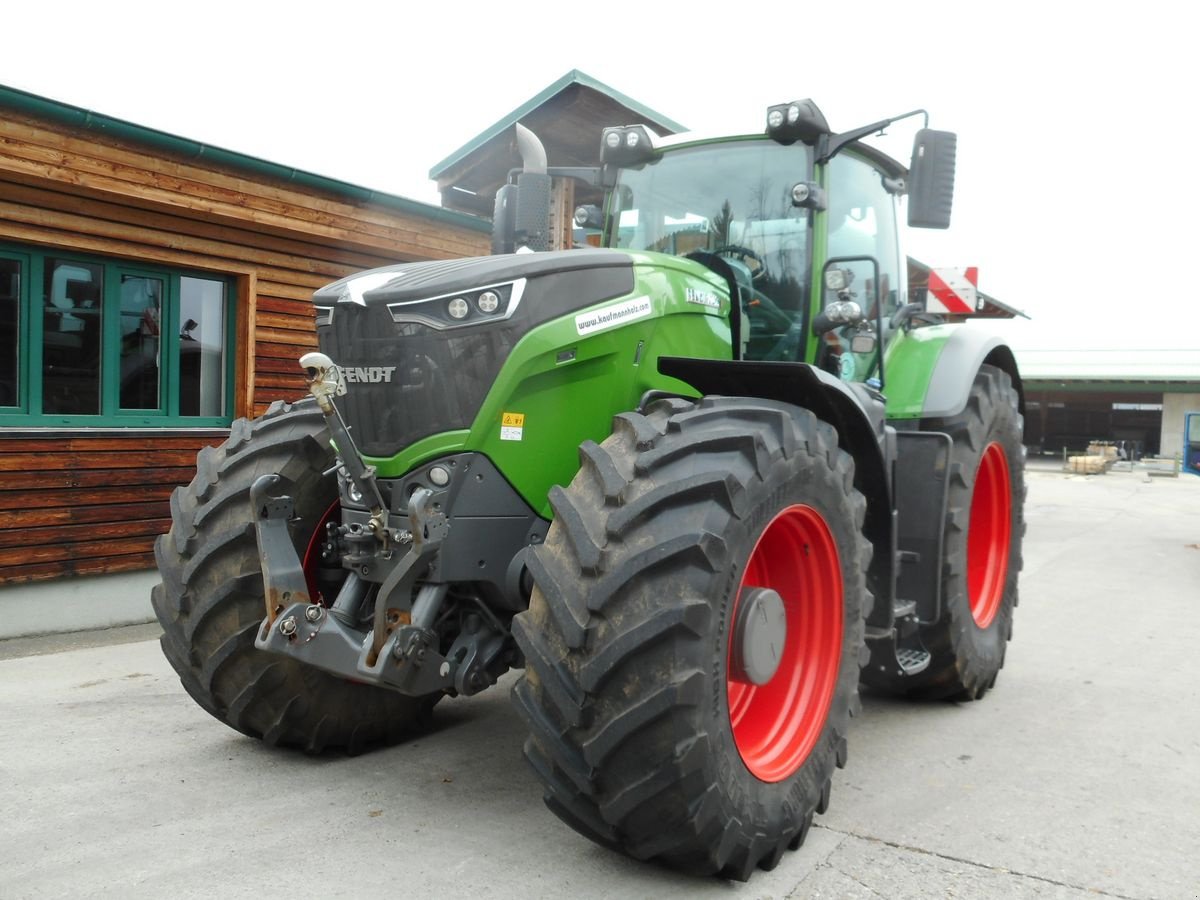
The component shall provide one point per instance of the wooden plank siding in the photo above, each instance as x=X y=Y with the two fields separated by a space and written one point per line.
x=84 y=501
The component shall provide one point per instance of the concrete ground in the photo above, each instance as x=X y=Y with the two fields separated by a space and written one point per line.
x=1078 y=776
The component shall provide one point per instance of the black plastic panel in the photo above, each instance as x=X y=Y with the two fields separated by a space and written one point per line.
x=922 y=482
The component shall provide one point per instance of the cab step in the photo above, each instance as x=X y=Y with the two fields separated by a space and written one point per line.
x=912 y=662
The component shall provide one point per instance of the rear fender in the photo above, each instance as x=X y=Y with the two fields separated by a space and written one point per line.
x=930 y=370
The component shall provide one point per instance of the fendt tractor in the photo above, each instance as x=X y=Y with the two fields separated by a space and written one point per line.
x=699 y=481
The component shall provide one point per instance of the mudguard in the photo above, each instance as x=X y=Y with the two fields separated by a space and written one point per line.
x=930 y=370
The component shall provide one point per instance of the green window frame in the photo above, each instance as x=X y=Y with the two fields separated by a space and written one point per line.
x=172 y=353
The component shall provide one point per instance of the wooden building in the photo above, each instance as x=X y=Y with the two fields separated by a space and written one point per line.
x=153 y=289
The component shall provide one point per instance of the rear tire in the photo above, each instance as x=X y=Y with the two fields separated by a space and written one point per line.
x=984 y=528
x=630 y=676
x=210 y=602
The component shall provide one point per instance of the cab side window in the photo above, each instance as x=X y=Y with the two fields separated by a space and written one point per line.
x=862 y=222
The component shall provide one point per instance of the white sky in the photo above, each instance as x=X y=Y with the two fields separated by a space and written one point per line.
x=1071 y=116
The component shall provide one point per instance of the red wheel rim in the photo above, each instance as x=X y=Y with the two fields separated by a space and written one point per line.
x=990 y=536
x=311 y=560
x=777 y=724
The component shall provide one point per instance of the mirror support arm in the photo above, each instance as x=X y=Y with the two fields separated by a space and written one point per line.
x=832 y=144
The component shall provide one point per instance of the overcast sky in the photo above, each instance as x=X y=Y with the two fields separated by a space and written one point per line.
x=1072 y=117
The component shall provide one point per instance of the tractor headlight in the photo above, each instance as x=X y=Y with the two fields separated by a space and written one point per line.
x=478 y=306
x=844 y=312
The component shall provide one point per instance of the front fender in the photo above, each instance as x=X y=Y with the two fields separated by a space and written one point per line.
x=930 y=370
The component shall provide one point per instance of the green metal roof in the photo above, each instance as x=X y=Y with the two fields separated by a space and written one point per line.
x=77 y=117
x=1142 y=366
x=572 y=77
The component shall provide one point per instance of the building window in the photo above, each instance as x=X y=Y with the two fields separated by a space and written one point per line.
x=87 y=341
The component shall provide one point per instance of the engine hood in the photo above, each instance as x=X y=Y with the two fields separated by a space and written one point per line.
x=414 y=281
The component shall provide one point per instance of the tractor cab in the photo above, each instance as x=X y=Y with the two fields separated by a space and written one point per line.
x=801 y=222
x=796 y=242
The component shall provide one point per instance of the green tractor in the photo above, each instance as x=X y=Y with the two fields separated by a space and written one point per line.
x=699 y=482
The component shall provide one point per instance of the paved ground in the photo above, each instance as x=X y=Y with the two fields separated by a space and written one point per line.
x=1078 y=776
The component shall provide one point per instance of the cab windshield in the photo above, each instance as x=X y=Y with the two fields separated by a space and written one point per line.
x=733 y=199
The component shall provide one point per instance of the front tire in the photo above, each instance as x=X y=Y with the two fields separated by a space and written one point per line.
x=210 y=602
x=647 y=732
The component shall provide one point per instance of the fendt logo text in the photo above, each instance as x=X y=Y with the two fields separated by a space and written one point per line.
x=367 y=374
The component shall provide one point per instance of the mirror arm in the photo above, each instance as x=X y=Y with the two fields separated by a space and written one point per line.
x=836 y=142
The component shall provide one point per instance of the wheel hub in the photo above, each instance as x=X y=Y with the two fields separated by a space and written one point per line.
x=784 y=643
x=759 y=635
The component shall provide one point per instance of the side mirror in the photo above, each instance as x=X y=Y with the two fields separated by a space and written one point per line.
x=931 y=179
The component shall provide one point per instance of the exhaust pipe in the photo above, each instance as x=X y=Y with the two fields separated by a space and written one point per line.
x=521 y=217
x=533 y=193
x=533 y=154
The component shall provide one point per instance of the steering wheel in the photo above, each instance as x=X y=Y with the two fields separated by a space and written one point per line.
x=745 y=256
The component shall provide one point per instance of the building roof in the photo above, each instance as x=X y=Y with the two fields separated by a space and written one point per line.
x=1156 y=366
x=574 y=77
x=87 y=120
x=568 y=117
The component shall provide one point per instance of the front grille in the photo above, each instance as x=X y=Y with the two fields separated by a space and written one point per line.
x=410 y=379
x=436 y=380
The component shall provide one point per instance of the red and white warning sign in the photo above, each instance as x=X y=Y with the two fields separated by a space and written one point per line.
x=953 y=291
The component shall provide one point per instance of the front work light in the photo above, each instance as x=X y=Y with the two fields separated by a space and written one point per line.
x=458 y=308
x=799 y=120
x=838 y=279
x=628 y=145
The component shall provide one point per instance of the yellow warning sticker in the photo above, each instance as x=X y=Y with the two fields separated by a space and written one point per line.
x=512 y=426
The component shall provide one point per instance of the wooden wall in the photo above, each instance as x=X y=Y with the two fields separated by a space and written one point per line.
x=85 y=501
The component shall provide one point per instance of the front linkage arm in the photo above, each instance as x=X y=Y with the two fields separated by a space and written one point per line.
x=402 y=649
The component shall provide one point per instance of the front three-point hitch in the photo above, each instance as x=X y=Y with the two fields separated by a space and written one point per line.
x=387 y=554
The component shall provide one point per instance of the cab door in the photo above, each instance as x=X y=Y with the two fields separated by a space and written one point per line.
x=862 y=231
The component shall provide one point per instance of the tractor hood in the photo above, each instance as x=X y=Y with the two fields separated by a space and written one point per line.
x=421 y=344
x=406 y=282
